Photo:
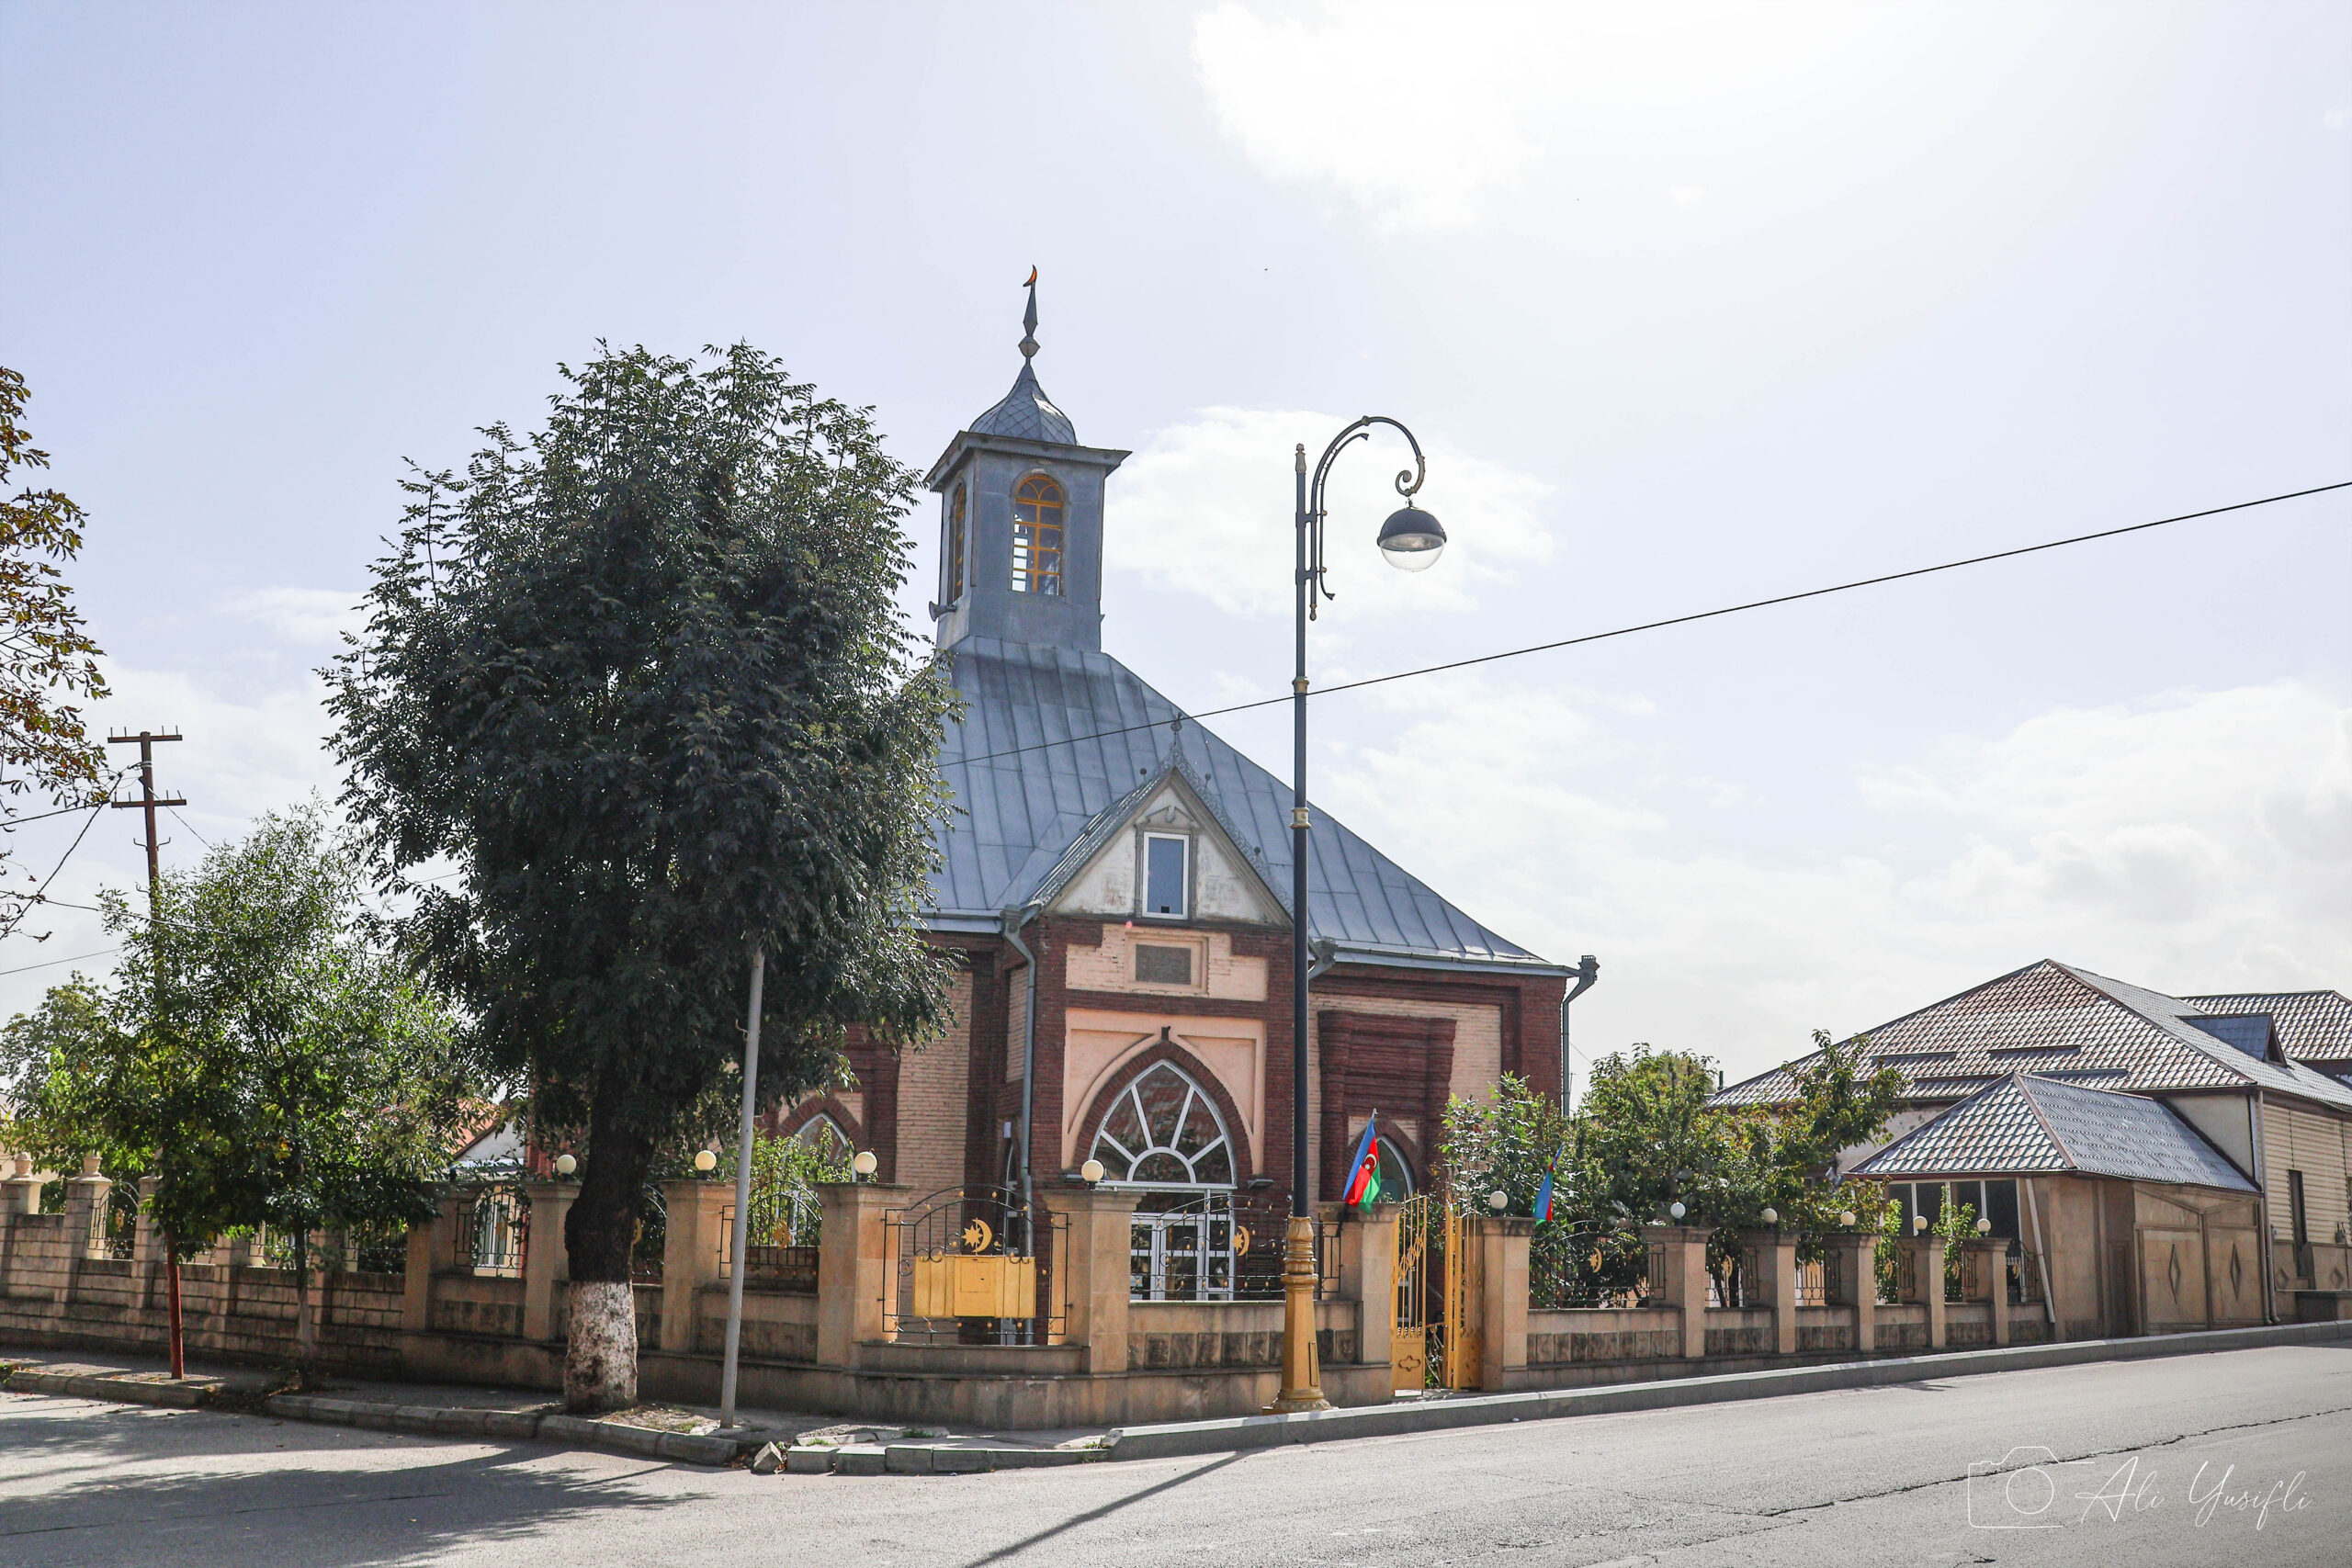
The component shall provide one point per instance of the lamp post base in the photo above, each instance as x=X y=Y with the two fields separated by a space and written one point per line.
x=1302 y=1367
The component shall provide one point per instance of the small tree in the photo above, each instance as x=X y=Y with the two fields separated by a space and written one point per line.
x=254 y=1053
x=641 y=676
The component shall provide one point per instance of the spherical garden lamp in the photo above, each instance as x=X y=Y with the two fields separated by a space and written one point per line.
x=705 y=1161
x=1497 y=1201
x=1411 y=539
x=1984 y=1228
x=865 y=1164
x=1919 y=1224
x=1772 y=1216
x=565 y=1165
x=1845 y=1219
x=1677 y=1209
x=1091 y=1171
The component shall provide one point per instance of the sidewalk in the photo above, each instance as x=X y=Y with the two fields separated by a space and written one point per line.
x=691 y=1433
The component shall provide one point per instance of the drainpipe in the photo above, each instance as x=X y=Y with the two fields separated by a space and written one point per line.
x=1587 y=975
x=1014 y=920
x=2261 y=1208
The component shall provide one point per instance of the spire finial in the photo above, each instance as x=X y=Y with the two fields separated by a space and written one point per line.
x=1029 y=319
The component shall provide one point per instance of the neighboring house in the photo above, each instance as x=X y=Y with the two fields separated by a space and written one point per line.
x=1115 y=889
x=2243 y=1103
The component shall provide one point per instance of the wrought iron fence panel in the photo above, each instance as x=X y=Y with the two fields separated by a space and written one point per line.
x=2023 y=1270
x=652 y=1236
x=493 y=1234
x=1584 y=1269
x=116 y=1230
x=1818 y=1282
x=974 y=1265
x=378 y=1247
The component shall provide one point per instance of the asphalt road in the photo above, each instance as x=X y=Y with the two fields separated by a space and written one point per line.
x=2241 y=1458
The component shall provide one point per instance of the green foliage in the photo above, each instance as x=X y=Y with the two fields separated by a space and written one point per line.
x=1644 y=1137
x=253 y=1052
x=43 y=647
x=641 y=675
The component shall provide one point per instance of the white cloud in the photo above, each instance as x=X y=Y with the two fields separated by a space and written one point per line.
x=306 y=617
x=1410 y=111
x=2338 y=118
x=1206 y=507
x=2203 y=839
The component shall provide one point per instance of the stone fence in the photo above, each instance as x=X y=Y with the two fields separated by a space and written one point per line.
x=461 y=1311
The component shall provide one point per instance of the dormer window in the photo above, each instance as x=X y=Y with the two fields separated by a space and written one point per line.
x=1037 y=536
x=1167 y=875
x=952 y=557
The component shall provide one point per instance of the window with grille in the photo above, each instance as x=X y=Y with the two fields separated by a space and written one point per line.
x=1163 y=965
x=1037 y=536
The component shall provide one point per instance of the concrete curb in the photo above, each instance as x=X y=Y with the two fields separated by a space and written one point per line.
x=176 y=1396
x=428 y=1420
x=1176 y=1439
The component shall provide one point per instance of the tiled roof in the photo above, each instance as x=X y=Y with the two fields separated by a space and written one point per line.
x=1026 y=414
x=1021 y=812
x=2057 y=1022
x=2313 y=1026
x=2023 y=1125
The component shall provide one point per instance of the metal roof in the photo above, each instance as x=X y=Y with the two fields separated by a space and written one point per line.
x=1052 y=737
x=1026 y=414
x=2024 y=1125
x=2313 y=1026
x=2057 y=1022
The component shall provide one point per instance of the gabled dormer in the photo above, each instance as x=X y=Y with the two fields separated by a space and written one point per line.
x=1021 y=520
x=1163 y=855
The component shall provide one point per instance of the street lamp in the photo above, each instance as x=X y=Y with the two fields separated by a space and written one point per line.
x=1411 y=540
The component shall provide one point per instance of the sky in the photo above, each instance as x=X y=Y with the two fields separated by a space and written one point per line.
x=1691 y=305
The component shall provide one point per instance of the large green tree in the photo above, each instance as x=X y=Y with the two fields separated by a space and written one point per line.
x=46 y=655
x=640 y=676
x=255 y=1051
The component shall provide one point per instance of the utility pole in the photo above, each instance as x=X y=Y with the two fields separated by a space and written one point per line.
x=146 y=740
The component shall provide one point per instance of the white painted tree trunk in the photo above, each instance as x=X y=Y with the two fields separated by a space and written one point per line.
x=600 y=1355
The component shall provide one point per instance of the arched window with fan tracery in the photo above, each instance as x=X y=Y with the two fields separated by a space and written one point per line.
x=1037 y=536
x=1163 y=1130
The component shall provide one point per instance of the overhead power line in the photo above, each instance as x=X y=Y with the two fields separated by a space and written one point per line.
x=1677 y=620
x=53 y=963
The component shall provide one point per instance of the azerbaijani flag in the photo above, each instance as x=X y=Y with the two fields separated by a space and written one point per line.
x=1363 y=1181
x=1543 y=1195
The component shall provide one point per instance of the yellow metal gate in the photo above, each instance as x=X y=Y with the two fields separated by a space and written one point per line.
x=1434 y=1340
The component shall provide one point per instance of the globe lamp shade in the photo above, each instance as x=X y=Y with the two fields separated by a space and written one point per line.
x=1411 y=539
x=705 y=1161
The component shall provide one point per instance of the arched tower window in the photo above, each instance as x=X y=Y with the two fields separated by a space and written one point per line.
x=951 y=556
x=823 y=1133
x=1037 y=536
x=1164 y=1131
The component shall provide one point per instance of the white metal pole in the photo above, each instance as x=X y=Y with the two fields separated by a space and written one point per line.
x=741 y=1241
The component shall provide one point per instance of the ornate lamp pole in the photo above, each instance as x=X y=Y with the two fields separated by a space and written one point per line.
x=1411 y=540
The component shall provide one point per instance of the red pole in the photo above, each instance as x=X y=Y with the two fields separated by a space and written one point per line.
x=172 y=1273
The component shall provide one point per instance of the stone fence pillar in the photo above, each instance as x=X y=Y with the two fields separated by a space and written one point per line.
x=24 y=1188
x=545 y=1263
x=853 y=1270
x=429 y=1242
x=690 y=1247
x=1684 y=1282
x=1853 y=1255
x=1503 y=1242
x=1775 y=1252
x=1987 y=1265
x=1093 y=1276
x=1368 y=1272
x=1927 y=1258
